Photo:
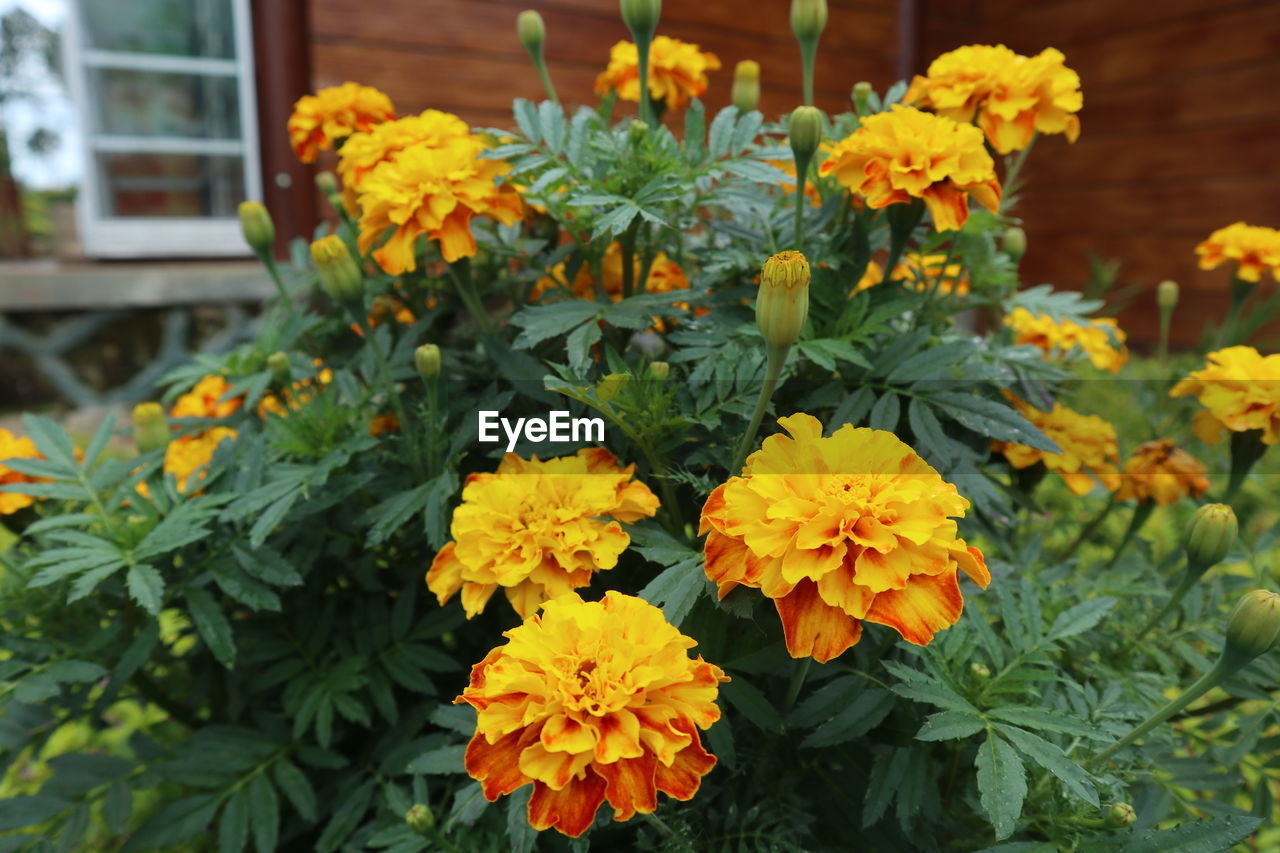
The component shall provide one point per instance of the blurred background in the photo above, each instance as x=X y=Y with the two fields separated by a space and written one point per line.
x=131 y=129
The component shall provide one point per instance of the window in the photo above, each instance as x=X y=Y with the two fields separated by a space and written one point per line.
x=164 y=89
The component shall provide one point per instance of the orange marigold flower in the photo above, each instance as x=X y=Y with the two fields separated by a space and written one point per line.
x=537 y=529
x=1101 y=339
x=433 y=191
x=208 y=399
x=839 y=531
x=386 y=422
x=591 y=701
x=919 y=272
x=334 y=113
x=1240 y=391
x=186 y=458
x=1088 y=444
x=677 y=71
x=1013 y=96
x=14 y=447
x=362 y=151
x=903 y=154
x=1161 y=471
x=297 y=396
x=1254 y=248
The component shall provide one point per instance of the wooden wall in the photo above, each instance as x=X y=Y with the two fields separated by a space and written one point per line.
x=1181 y=135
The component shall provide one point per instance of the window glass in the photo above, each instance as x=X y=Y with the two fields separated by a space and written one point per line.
x=173 y=27
x=150 y=103
x=166 y=185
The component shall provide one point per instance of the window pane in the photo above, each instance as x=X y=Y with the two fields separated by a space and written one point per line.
x=152 y=103
x=170 y=184
x=173 y=27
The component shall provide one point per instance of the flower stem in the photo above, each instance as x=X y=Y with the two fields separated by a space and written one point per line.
x=773 y=369
x=1010 y=183
x=629 y=259
x=1090 y=529
x=270 y=263
x=808 y=52
x=1240 y=292
x=1141 y=513
x=1175 y=598
x=797 y=682
x=802 y=181
x=642 y=54
x=460 y=272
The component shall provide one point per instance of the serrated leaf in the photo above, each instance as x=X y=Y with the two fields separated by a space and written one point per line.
x=26 y=810
x=1047 y=720
x=1002 y=784
x=145 y=587
x=297 y=788
x=950 y=725
x=1053 y=759
x=1080 y=617
x=348 y=813
x=212 y=625
x=117 y=806
x=542 y=321
x=264 y=814
x=1215 y=835
x=886 y=412
x=444 y=759
x=991 y=419
x=752 y=704
x=233 y=825
x=860 y=716
x=676 y=589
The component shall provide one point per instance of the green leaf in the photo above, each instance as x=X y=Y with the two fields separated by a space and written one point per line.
x=1053 y=759
x=931 y=363
x=264 y=814
x=350 y=809
x=950 y=725
x=117 y=806
x=1002 y=783
x=444 y=759
x=1202 y=836
x=20 y=811
x=752 y=704
x=212 y=624
x=930 y=439
x=722 y=132
x=174 y=823
x=677 y=588
x=233 y=826
x=387 y=516
x=992 y=419
x=1047 y=720
x=886 y=412
x=861 y=715
x=146 y=587
x=882 y=784
x=1080 y=617
x=526 y=114
x=519 y=832
x=548 y=320
x=297 y=788
x=923 y=688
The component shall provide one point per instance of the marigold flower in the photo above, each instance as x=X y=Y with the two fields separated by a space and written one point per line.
x=186 y=458
x=1013 y=96
x=1240 y=391
x=334 y=113
x=386 y=422
x=677 y=71
x=432 y=191
x=363 y=151
x=919 y=272
x=839 y=531
x=1254 y=248
x=294 y=398
x=903 y=154
x=1088 y=444
x=208 y=399
x=1101 y=339
x=537 y=529
x=15 y=447
x=590 y=701
x=1161 y=471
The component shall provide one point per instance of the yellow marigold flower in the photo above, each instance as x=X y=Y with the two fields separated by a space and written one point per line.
x=537 y=529
x=677 y=71
x=208 y=399
x=334 y=113
x=919 y=272
x=903 y=154
x=591 y=701
x=1161 y=471
x=432 y=191
x=14 y=447
x=839 y=531
x=362 y=151
x=1101 y=340
x=1088 y=444
x=185 y=458
x=1254 y=248
x=1013 y=96
x=1240 y=391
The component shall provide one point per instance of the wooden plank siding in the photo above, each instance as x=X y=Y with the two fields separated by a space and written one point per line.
x=1181 y=135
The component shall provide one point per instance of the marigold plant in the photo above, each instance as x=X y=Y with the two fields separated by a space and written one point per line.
x=1239 y=389
x=1088 y=453
x=1255 y=250
x=1100 y=339
x=321 y=120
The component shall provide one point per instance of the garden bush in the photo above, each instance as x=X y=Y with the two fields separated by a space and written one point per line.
x=844 y=539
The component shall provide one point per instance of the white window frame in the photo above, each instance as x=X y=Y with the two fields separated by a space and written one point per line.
x=104 y=236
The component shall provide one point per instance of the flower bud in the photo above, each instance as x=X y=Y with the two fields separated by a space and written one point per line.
x=641 y=17
x=979 y=671
x=1015 y=242
x=746 y=86
x=861 y=97
x=427 y=359
x=782 y=305
x=808 y=18
x=256 y=225
x=150 y=427
x=637 y=131
x=659 y=370
x=611 y=385
x=1254 y=625
x=339 y=274
x=1167 y=295
x=1210 y=535
x=805 y=132
x=1121 y=815
x=278 y=364
x=531 y=30
x=327 y=183
x=420 y=818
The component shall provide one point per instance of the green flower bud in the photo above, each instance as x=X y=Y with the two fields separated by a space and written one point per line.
x=1120 y=815
x=327 y=183
x=1167 y=295
x=979 y=672
x=1015 y=242
x=746 y=85
x=805 y=131
x=861 y=97
x=659 y=370
x=808 y=18
x=278 y=364
x=637 y=131
x=256 y=225
x=641 y=17
x=1254 y=625
x=531 y=30
x=420 y=818
x=427 y=359
x=339 y=274
x=611 y=385
x=150 y=427
x=782 y=305
x=1210 y=535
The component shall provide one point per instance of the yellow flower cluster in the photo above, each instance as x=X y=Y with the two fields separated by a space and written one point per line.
x=14 y=447
x=677 y=72
x=536 y=529
x=1101 y=339
x=1255 y=250
x=1088 y=443
x=334 y=113
x=1161 y=471
x=904 y=154
x=919 y=272
x=1012 y=96
x=365 y=150
x=1240 y=391
x=187 y=458
x=207 y=399
x=591 y=701
x=292 y=399
x=841 y=530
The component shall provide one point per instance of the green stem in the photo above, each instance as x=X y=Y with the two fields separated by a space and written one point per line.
x=670 y=833
x=1091 y=528
x=540 y=63
x=1246 y=449
x=773 y=369
x=629 y=259
x=797 y=682
x=1141 y=513
x=1241 y=290
x=808 y=52
x=1010 y=185
x=1175 y=598
x=460 y=272
x=393 y=392
x=270 y=263
x=642 y=54
x=802 y=181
